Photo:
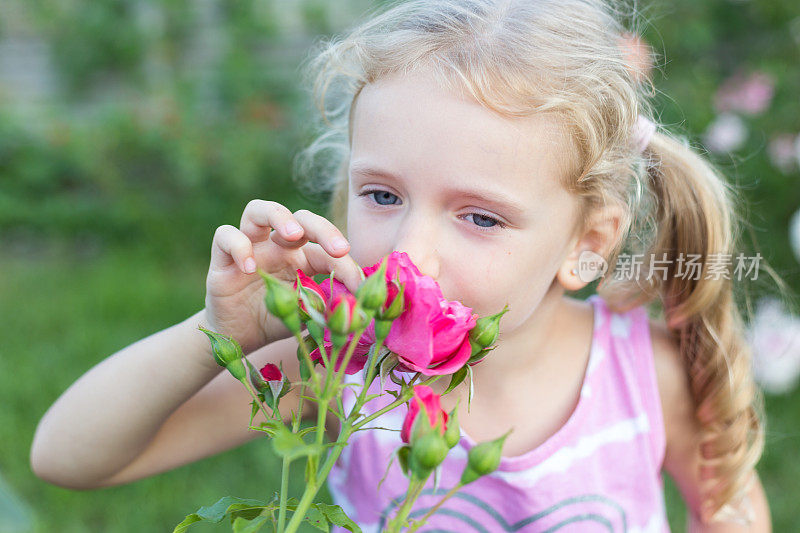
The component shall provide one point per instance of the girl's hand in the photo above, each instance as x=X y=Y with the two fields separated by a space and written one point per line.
x=279 y=242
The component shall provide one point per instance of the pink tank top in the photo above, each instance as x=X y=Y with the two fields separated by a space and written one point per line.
x=601 y=471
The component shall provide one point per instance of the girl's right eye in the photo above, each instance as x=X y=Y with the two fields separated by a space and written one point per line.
x=381 y=197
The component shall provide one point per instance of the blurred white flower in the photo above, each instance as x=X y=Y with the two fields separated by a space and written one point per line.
x=794 y=234
x=750 y=94
x=726 y=133
x=774 y=335
x=783 y=152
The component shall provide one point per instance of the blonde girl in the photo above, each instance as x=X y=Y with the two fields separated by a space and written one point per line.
x=499 y=144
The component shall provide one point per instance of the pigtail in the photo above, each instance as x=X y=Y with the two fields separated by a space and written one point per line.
x=693 y=217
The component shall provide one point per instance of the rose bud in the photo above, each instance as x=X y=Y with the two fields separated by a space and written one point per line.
x=313 y=293
x=373 y=291
x=382 y=328
x=415 y=426
x=486 y=329
x=344 y=315
x=227 y=353
x=270 y=382
x=281 y=301
x=483 y=459
x=427 y=453
x=452 y=433
x=395 y=302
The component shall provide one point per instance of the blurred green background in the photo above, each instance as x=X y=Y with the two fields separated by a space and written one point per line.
x=131 y=129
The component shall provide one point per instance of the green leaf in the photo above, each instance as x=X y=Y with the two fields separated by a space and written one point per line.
x=291 y=445
x=402 y=457
x=456 y=379
x=253 y=411
x=229 y=505
x=337 y=516
x=188 y=521
x=242 y=525
x=316 y=518
x=387 y=364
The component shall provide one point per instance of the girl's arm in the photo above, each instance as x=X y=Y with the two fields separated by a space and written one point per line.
x=682 y=458
x=139 y=412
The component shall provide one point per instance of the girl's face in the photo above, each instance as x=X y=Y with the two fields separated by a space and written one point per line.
x=472 y=197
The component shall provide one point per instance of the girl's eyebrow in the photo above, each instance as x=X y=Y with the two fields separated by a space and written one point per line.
x=488 y=196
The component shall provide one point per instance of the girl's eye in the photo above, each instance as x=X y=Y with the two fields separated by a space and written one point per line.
x=485 y=222
x=381 y=197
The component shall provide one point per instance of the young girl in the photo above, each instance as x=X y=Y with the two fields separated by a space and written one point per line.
x=503 y=147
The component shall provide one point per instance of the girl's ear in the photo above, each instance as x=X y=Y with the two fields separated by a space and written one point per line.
x=586 y=261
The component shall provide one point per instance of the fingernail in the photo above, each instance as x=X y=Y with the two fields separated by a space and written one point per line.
x=338 y=243
x=292 y=228
x=249 y=265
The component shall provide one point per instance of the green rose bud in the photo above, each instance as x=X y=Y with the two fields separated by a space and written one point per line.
x=224 y=347
x=281 y=301
x=427 y=453
x=453 y=433
x=341 y=314
x=486 y=329
x=382 y=328
x=483 y=459
x=227 y=353
x=478 y=354
x=237 y=370
x=372 y=293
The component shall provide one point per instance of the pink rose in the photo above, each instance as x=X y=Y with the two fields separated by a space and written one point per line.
x=423 y=396
x=432 y=335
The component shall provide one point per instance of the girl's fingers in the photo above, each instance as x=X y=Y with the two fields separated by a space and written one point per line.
x=260 y=217
x=232 y=246
x=317 y=229
x=345 y=269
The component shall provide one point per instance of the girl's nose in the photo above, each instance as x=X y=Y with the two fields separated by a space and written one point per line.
x=421 y=250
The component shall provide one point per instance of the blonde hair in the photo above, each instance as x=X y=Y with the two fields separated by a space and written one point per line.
x=564 y=57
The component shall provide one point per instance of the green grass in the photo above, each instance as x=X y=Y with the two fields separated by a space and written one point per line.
x=64 y=311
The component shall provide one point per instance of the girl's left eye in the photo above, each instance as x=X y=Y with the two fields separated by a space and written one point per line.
x=485 y=222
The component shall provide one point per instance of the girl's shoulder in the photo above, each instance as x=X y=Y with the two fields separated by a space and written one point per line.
x=653 y=339
x=682 y=431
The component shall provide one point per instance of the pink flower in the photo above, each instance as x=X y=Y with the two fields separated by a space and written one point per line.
x=423 y=397
x=431 y=335
x=750 y=95
x=271 y=372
